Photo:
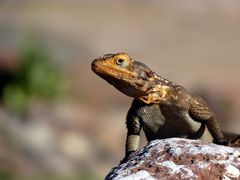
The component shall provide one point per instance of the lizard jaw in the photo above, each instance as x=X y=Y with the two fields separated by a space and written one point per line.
x=124 y=80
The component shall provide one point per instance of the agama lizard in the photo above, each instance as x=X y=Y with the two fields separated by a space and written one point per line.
x=162 y=108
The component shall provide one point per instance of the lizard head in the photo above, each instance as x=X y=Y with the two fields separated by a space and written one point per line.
x=131 y=77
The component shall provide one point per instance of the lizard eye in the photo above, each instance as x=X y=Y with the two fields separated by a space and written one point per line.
x=122 y=62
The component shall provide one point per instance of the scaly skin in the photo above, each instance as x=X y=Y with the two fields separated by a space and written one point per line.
x=162 y=108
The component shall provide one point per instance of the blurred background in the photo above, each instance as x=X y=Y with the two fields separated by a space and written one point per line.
x=58 y=120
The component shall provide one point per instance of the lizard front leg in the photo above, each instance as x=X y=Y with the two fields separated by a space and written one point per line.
x=133 y=133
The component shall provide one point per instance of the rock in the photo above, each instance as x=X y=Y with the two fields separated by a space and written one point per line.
x=177 y=158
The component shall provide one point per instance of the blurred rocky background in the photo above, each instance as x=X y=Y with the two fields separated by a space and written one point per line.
x=58 y=120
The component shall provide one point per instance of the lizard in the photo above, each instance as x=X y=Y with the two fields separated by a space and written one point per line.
x=162 y=108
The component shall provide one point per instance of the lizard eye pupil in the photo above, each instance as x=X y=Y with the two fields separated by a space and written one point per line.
x=120 y=61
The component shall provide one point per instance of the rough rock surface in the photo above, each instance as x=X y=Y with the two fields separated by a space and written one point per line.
x=177 y=158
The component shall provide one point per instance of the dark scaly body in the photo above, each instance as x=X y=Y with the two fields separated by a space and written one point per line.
x=162 y=108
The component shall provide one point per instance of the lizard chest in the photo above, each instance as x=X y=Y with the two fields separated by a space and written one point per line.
x=166 y=121
x=151 y=118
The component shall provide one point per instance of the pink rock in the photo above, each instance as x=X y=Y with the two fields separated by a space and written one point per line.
x=178 y=158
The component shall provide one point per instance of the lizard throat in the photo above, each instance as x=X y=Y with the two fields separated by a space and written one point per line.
x=158 y=94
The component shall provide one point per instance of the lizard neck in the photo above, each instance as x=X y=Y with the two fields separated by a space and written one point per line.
x=161 y=91
x=163 y=82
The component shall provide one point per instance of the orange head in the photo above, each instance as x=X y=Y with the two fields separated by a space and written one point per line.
x=131 y=77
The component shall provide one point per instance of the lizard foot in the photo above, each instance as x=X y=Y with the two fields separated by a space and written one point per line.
x=128 y=156
x=223 y=141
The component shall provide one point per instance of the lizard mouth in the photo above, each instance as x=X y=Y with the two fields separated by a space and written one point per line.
x=110 y=72
x=98 y=69
x=101 y=70
x=94 y=66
